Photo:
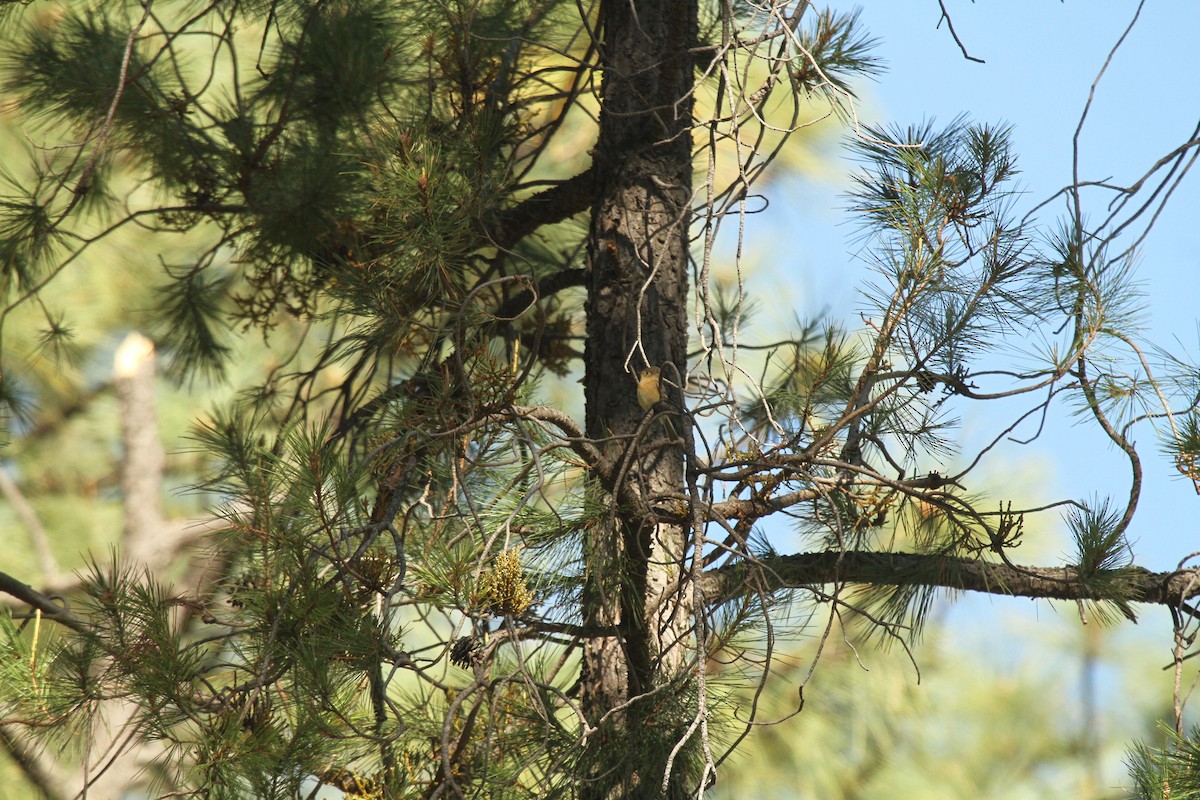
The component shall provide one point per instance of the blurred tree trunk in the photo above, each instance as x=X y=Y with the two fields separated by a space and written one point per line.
x=118 y=757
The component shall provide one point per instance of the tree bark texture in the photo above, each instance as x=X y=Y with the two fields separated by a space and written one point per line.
x=637 y=318
x=1138 y=585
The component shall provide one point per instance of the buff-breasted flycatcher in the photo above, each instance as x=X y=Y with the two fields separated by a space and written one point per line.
x=650 y=391
x=649 y=388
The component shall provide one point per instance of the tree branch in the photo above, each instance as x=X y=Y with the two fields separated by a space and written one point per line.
x=33 y=526
x=35 y=767
x=912 y=569
x=950 y=24
x=544 y=208
x=45 y=603
x=550 y=285
x=756 y=508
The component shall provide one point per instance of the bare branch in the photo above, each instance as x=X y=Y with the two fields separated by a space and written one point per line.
x=33 y=525
x=950 y=25
x=51 y=606
x=949 y=572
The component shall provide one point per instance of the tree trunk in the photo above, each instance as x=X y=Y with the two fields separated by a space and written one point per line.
x=637 y=317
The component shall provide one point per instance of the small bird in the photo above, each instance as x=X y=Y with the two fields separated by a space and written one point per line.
x=650 y=392
x=649 y=388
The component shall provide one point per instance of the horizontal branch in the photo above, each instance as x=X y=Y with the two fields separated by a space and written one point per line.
x=547 y=207
x=1132 y=584
x=754 y=508
x=550 y=285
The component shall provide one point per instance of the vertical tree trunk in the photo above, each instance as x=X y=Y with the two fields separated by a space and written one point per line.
x=637 y=317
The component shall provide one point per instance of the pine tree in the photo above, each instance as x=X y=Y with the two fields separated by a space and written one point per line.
x=424 y=580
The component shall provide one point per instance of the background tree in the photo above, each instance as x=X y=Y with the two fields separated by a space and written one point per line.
x=426 y=583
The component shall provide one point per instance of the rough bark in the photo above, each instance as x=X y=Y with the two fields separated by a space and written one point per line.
x=637 y=317
x=1138 y=585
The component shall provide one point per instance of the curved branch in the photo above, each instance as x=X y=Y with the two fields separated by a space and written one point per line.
x=550 y=285
x=49 y=605
x=950 y=24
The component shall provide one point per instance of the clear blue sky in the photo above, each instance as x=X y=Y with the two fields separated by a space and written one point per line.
x=1041 y=59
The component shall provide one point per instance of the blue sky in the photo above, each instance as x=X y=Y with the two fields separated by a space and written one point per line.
x=1041 y=59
